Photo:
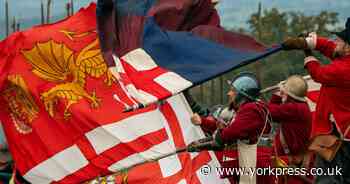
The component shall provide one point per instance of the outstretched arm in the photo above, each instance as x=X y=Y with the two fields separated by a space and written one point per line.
x=323 y=45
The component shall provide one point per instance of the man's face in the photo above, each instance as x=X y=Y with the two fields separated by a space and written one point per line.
x=342 y=47
x=231 y=94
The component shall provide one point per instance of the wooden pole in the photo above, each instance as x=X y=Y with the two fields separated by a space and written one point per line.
x=13 y=24
x=68 y=9
x=257 y=65
x=42 y=12
x=7 y=17
x=71 y=7
x=48 y=11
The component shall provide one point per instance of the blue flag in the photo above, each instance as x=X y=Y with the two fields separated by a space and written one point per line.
x=168 y=46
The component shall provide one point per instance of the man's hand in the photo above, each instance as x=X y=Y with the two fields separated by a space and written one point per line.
x=298 y=43
x=196 y=119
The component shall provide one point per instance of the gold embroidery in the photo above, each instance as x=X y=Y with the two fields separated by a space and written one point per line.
x=55 y=62
x=23 y=109
x=71 y=34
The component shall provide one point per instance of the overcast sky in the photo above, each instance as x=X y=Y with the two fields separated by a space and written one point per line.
x=234 y=13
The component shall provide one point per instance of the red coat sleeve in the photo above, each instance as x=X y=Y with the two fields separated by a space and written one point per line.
x=208 y=124
x=247 y=124
x=325 y=46
x=334 y=74
x=280 y=112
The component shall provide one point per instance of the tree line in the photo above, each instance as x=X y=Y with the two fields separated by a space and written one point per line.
x=269 y=27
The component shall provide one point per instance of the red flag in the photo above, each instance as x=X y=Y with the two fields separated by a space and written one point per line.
x=62 y=112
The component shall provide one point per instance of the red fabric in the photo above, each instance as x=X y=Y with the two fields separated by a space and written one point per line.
x=325 y=46
x=313 y=95
x=334 y=93
x=295 y=119
x=49 y=135
x=247 y=124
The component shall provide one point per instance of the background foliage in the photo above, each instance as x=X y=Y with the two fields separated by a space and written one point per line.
x=271 y=26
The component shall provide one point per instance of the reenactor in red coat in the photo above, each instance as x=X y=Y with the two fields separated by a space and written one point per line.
x=288 y=108
x=331 y=126
x=250 y=122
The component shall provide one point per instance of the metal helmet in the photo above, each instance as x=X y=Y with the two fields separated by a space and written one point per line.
x=247 y=86
x=296 y=87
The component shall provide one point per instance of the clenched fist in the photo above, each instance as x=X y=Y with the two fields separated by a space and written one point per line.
x=196 y=119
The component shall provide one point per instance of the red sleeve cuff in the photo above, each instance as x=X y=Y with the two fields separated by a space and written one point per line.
x=208 y=124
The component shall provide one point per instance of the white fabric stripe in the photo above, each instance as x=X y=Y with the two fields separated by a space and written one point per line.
x=147 y=97
x=182 y=111
x=192 y=133
x=170 y=165
x=311 y=40
x=126 y=92
x=58 y=166
x=174 y=161
x=172 y=82
x=152 y=153
x=140 y=60
x=126 y=130
x=183 y=181
x=309 y=59
x=118 y=65
x=131 y=89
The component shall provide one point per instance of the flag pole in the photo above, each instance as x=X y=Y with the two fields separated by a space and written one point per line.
x=71 y=7
x=68 y=9
x=271 y=88
x=257 y=65
x=42 y=12
x=7 y=17
x=48 y=9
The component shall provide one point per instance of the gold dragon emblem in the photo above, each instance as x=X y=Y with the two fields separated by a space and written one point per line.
x=55 y=62
x=21 y=104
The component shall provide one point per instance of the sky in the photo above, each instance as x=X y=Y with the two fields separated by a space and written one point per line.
x=233 y=13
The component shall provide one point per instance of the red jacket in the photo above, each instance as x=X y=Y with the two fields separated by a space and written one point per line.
x=295 y=119
x=335 y=90
x=247 y=124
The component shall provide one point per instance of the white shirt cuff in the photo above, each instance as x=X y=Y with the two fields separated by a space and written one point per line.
x=311 y=40
x=309 y=59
